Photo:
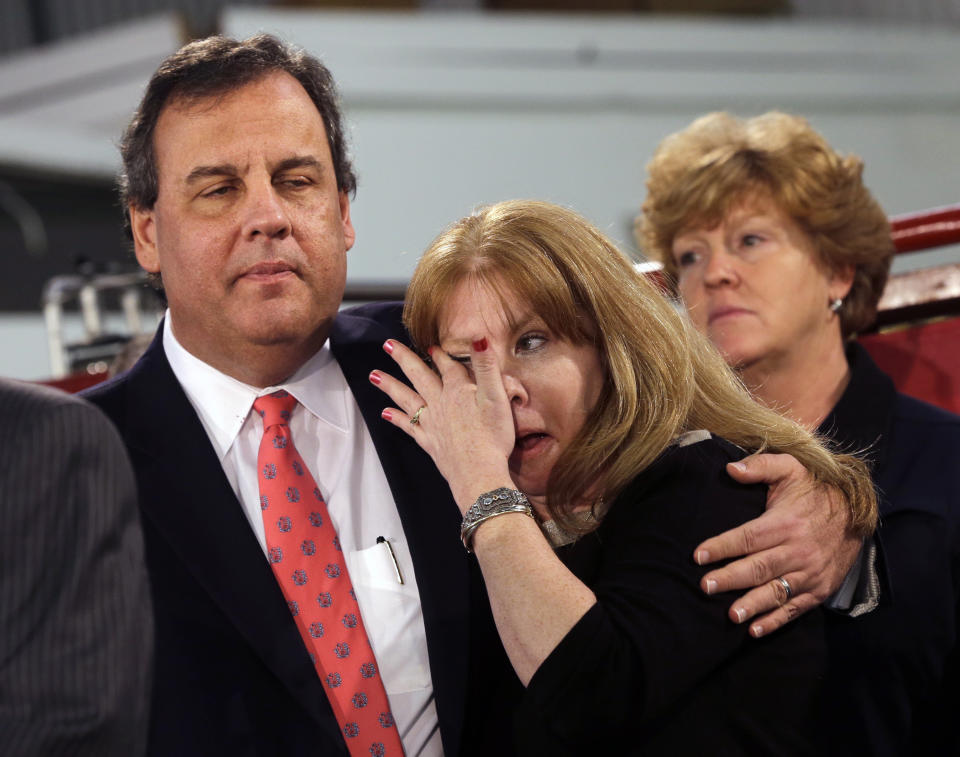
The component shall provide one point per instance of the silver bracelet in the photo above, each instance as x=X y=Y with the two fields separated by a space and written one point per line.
x=490 y=505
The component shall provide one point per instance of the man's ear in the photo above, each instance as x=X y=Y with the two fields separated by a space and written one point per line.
x=144 y=231
x=349 y=234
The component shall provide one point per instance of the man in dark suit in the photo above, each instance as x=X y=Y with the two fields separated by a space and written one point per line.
x=74 y=603
x=238 y=189
x=238 y=184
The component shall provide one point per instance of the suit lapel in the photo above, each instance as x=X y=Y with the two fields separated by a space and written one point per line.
x=179 y=472
x=430 y=518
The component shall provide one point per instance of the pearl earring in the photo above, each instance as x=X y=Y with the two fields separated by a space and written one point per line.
x=836 y=304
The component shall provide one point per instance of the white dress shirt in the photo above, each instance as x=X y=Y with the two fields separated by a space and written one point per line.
x=332 y=438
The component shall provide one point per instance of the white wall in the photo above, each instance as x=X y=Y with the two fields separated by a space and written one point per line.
x=449 y=110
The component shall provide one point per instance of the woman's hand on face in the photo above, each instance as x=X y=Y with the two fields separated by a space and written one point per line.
x=465 y=424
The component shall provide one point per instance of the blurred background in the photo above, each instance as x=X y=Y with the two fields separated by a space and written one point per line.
x=450 y=104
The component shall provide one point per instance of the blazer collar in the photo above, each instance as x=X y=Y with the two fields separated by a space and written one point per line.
x=861 y=423
x=864 y=413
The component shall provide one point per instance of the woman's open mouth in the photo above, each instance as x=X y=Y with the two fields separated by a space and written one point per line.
x=528 y=445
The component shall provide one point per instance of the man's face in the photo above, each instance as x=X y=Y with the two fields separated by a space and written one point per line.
x=249 y=231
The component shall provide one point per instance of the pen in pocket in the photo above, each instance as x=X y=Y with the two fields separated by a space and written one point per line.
x=393 y=557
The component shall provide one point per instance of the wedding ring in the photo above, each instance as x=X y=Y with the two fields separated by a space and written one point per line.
x=786 y=587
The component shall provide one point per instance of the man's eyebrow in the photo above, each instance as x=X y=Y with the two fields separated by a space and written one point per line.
x=298 y=161
x=206 y=172
x=229 y=169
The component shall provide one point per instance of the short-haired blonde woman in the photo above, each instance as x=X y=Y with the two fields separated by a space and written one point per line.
x=780 y=252
x=583 y=427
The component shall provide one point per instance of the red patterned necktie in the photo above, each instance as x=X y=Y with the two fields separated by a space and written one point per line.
x=305 y=554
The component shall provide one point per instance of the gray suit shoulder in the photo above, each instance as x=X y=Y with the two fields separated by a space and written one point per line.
x=75 y=652
x=23 y=402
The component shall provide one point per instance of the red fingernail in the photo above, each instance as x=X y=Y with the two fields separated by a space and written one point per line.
x=375 y=378
x=388 y=346
x=386 y=415
x=480 y=345
x=430 y=350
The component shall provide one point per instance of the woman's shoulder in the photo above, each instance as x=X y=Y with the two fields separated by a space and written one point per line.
x=692 y=457
x=925 y=418
x=704 y=445
x=920 y=444
x=689 y=484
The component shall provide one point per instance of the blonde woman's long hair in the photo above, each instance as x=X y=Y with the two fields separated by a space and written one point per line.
x=662 y=378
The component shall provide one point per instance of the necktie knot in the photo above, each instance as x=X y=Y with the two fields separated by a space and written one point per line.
x=275 y=408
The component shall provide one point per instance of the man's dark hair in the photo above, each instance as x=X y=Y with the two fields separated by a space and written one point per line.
x=216 y=66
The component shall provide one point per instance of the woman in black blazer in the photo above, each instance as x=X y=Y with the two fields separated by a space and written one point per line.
x=780 y=254
x=584 y=428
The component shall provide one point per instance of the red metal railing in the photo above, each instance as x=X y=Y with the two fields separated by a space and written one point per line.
x=927 y=228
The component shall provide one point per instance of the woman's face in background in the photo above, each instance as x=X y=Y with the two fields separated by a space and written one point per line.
x=553 y=385
x=752 y=284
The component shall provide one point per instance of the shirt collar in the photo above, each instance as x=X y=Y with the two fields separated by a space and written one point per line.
x=223 y=403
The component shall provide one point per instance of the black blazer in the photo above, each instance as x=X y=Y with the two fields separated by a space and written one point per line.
x=894 y=674
x=75 y=629
x=232 y=674
x=656 y=667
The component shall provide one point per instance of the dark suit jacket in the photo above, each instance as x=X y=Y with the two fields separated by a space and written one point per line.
x=233 y=676
x=656 y=667
x=75 y=626
x=894 y=674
